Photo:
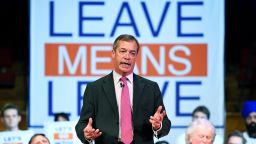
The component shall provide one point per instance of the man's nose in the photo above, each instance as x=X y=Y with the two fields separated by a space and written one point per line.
x=127 y=55
x=204 y=139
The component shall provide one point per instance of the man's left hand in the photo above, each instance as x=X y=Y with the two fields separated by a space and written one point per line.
x=157 y=119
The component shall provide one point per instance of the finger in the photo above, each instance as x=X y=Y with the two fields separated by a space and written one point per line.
x=89 y=125
x=89 y=129
x=151 y=121
x=90 y=134
x=97 y=133
x=154 y=122
x=153 y=118
x=163 y=114
x=159 y=109
x=157 y=116
x=90 y=122
x=156 y=125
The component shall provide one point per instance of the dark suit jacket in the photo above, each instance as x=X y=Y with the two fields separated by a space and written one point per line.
x=100 y=103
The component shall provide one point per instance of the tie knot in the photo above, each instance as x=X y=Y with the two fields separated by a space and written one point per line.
x=124 y=80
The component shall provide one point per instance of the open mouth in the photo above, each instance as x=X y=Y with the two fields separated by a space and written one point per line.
x=125 y=63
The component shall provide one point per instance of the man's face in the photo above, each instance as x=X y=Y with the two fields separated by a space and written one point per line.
x=11 y=119
x=250 y=124
x=199 y=115
x=61 y=118
x=251 y=118
x=39 y=140
x=124 y=57
x=202 y=135
x=235 y=140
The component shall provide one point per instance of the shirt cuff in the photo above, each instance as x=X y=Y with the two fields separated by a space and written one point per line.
x=156 y=131
x=88 y=140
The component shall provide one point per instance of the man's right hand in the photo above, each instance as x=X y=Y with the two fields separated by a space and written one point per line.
x=90 y=133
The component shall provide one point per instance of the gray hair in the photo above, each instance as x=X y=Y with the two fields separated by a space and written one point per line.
x=125 y=37
x=194 y=125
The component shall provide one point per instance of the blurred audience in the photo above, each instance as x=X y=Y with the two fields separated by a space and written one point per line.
x=61 y=116
x=39 y=139
x=200 y=112
x=236 y=137
x=11 y=117
x=200 y=131
x=249 y=115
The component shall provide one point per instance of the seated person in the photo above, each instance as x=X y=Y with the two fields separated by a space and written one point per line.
x=200 y=112
x=236 y=137
x=249 y=115
x=200 y=131
x=61 y=116
x=11 y=117
x=39 y=139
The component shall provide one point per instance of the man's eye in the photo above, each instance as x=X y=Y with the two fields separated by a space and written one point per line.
x=208 y=137
x=133 y=53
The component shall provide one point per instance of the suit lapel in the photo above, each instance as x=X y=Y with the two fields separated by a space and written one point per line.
x=138 y=86
x=109 y=89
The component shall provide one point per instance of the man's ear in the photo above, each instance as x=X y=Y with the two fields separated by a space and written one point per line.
x=113 y=53
x=189 y=139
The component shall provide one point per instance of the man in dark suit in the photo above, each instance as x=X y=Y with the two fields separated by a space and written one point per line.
x=102 y=116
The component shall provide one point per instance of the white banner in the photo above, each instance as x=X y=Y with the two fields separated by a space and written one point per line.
x=61 y=132
x=16 y=137
x=182 y=48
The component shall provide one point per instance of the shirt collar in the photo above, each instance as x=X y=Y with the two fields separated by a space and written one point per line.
x=117 y=77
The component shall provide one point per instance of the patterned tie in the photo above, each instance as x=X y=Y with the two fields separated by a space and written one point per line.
x=126 y=114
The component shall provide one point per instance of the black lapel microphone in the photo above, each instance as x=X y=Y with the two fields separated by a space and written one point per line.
x=121 y=85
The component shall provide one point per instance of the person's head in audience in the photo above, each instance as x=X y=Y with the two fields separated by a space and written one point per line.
x=10 y=117
x=201 y=112
x=249 y=114
x=200 y=131
x=162 y=142
x=61 y=116
x=236 y=137
x=39 y=139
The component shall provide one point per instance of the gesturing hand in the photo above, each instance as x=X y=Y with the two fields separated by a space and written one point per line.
x=157 y=119
x=89 y=132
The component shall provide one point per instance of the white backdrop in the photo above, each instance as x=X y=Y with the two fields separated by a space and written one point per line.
x=182 y=49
